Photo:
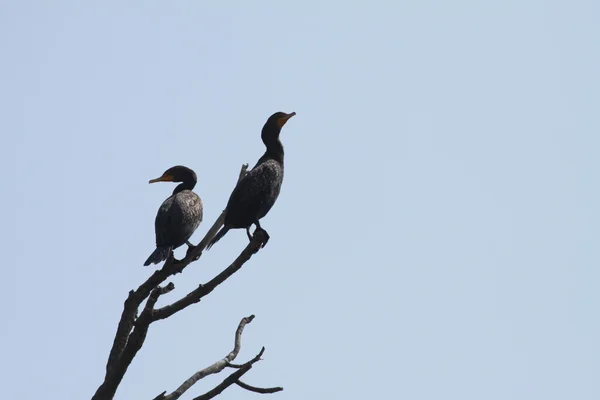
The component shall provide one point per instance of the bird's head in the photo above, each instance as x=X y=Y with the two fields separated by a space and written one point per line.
x=274 y=124
x=179 y=173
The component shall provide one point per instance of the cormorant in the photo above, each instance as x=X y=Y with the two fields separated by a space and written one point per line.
x=256 y=193
x=178 y=216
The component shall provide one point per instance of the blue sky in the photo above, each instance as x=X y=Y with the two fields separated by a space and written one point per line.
x=436 y=233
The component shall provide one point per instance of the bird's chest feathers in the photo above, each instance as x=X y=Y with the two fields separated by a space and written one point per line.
x=272 y=176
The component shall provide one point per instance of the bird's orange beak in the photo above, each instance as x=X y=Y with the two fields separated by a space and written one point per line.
x=164 y=178
x=285 y=118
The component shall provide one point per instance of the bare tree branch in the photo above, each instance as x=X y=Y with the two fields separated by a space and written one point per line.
x=125 y=326
x=134 y=342
x=195 y=295
x=130 y=333
x=257 y=389
x=132 y=330
x=137 y=337
x=214 y=368
x=231 y=379
x=154 y=295
x=236 y=366
x=160 y=396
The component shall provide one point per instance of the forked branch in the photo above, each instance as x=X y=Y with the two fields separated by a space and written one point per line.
x=216 y=368
x=132 y=330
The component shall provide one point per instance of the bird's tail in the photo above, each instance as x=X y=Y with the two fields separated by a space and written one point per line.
x=159 y=255
x=217 y=237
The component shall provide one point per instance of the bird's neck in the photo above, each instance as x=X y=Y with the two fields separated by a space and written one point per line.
x=187 y=185
x=274 y=150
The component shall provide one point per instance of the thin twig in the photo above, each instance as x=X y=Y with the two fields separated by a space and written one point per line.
x=214 y=368
x=153 y=298
x=160 y=396
x=257 y=389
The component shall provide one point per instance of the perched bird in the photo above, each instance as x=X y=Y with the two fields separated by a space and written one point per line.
x=256 y=193
x=178 y=216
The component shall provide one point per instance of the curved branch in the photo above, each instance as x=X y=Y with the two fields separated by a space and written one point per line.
x=214 y=368
x=257 y=389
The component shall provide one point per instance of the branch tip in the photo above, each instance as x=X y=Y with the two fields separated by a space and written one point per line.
x=258 y=389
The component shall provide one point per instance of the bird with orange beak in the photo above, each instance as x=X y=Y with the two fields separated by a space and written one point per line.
x=256 y=193
x=178 y=216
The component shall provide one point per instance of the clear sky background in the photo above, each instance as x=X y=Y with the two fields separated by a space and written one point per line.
x=436 y=235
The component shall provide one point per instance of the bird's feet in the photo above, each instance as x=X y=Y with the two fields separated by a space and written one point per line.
x=265 y=236
x=190 y=248
x=176 y=264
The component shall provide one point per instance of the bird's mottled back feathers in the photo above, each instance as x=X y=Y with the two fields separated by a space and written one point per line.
x=255 y=194
x=177 y=219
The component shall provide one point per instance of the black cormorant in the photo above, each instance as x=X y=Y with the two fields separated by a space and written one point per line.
x=178 y=216
x=256 y=193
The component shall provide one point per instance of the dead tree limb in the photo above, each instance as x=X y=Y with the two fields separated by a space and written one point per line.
x=257 y=389
x=132 y=330
x=195 y=295
x=214 y=368
x=231 y=379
